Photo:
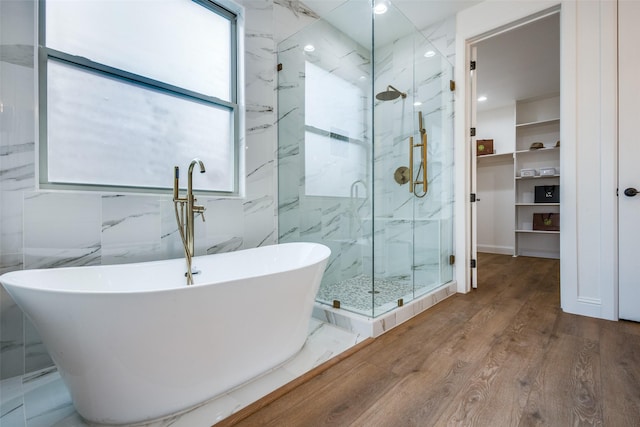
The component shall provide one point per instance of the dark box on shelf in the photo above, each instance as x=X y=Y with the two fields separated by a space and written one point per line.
x=547 y=194
x=484 y=146
x=546 y=221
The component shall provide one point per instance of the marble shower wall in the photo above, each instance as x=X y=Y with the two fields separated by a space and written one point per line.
x=44 y=229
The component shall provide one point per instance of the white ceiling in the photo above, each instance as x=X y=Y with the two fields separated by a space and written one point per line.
x=515 y=65
x=520 y=64
x=421 y=13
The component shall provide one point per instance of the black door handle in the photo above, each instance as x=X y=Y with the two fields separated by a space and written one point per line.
x=631 y=192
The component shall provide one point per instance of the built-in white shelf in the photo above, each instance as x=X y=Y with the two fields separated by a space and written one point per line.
x=538 y=177
x=538 y=231
x=538 y=123
x=495 y=158
x=538 y=151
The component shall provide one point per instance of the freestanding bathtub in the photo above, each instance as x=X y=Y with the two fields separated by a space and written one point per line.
x=133 y=343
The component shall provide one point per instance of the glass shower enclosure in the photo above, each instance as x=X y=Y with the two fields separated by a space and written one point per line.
x=365 y=156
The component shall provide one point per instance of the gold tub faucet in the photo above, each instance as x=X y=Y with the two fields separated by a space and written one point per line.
x=186 y=219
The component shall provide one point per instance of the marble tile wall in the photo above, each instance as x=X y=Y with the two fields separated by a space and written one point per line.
x=43 y=229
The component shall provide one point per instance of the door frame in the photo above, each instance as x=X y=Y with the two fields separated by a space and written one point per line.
x=588 y=105
x=473 y=25
x=627 y=287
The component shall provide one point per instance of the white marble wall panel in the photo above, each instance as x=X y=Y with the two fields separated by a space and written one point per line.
x=11 y=331
x=170 y=241
x=222 y=235
x=17 y=127
x=131 y=229
x=61 y=229
x=443 y=37
x=35 y=354
x=290 y=17
x=10 y=223
x=17 y=160
x=260 y=152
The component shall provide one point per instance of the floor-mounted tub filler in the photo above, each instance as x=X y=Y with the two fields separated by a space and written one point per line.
x=134 y=343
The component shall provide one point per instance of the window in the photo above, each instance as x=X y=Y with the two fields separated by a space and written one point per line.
x=130 y=89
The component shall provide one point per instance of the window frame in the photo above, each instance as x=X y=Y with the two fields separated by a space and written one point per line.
x=224 y=8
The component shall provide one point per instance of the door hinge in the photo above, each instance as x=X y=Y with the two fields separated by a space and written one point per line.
x=473 y=197
x=472 y=65
x=452 y=259
x=473 y=131
x=473 y=263
x=279 y=67
x=452 y=85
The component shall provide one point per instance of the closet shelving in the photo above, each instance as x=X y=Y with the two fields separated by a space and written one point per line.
x=531 y=121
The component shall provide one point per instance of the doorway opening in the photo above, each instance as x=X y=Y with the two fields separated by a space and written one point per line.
x=515 y=141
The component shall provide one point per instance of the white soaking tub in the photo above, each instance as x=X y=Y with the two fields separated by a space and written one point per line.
x=133 y=343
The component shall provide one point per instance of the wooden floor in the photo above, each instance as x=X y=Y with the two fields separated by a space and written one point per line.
x=502 y=355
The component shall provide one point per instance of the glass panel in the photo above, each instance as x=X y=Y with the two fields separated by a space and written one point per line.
x=395 y=121
x=147 y=38
x=433 y=214
x=324 y=149
x=413 y=229
x=93 y=140
x=334 y=121
x=387 y=244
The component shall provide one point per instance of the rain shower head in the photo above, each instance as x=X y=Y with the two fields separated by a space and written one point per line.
x=390 y=94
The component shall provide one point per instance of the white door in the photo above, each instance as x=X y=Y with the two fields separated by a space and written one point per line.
x=629 y=158
x=473 y=81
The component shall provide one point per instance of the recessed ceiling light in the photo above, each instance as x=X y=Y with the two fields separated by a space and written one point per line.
x=309 y=48
x=417 y=104
x=482 y=98
x=429 y=54
x=380 y=8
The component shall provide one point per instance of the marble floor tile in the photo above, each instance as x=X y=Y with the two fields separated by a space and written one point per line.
x=41 y=398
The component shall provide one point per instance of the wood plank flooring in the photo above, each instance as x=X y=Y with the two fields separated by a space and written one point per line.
x=502 y=355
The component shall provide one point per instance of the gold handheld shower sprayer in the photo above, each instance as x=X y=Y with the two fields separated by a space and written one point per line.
x=423 y=161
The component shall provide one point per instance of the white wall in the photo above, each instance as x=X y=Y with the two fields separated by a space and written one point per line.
x=495 y=206
x=498 y=124
x=495 y=181
x=588 y=135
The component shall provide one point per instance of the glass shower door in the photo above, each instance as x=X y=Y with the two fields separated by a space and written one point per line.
x=324 y=149
x=412 y=164
x=349 y=102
